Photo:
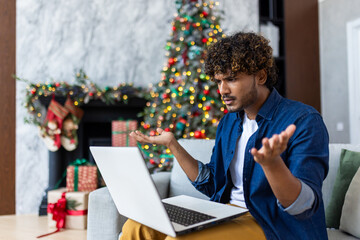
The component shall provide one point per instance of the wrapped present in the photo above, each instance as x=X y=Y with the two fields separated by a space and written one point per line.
x=67 y=209
x=81 y=176
x=120 y=133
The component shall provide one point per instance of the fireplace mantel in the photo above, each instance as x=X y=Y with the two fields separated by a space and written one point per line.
x=94 y=130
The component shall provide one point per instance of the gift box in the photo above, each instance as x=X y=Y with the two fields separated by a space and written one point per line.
x=67 y=209
x=81 y=176
x=120 y=133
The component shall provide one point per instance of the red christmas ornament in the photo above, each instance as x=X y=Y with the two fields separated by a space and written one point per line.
x=206 y=92
x=152 y=161
x=203 y=135
x=226 y=111
x=204 y=40
x=194 y=25
x=91 y=94
x=205 y=14
x=195 y=114
x=152 y=133
x=197 y=134
x=146 y=126
x=167 y=129
x=33 y=91
x=165 y=96
x=171 y=61
x=57 y=84
x=182 y=120
x=207 y=108
x=174 y=28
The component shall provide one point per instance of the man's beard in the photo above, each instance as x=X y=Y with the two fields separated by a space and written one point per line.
x=246 y=100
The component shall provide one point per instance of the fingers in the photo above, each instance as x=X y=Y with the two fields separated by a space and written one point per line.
x=274 y=146
x=140 y=137
x=258 y=156
x=275 y=140
x=266 y=145
x=159 y=130
x=286 y=135
x=290 y=130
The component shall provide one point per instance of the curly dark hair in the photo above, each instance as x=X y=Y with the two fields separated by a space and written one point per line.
x=242 y=52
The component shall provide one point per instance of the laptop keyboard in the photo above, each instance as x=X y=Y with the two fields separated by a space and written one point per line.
x=184 y=216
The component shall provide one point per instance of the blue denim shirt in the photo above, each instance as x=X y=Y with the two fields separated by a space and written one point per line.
x=307 y=157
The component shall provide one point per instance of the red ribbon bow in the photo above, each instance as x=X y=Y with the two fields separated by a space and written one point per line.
x=59 y=213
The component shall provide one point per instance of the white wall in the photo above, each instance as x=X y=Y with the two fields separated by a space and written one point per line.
x=333 y=17
x=113 y=41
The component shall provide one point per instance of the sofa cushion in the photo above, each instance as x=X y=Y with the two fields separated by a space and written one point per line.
x=350 y=216
x=179 y=183
x=349 y=163
x=335 y=234
x=334 y=162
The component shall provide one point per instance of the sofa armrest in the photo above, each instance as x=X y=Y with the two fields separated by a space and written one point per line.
x=162 y=183
x=104 y=220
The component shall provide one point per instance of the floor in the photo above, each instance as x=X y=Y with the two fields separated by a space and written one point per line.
x=28 y=227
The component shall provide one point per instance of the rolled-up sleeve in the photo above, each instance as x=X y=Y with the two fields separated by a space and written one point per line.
x=304 y=201
x=203 y=175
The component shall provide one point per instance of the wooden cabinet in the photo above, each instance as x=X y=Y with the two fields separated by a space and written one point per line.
x=271 y=13
x=298 y=61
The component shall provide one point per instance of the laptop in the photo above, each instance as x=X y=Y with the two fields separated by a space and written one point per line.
x=136 y=197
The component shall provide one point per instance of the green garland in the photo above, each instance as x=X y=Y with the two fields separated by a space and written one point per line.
x=81 y=93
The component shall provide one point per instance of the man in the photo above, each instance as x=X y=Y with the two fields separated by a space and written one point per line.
x=270 y=154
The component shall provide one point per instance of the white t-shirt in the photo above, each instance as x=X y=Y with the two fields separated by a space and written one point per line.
x=237 y=164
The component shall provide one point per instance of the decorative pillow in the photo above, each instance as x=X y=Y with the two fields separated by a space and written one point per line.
x=350 y=217
x=349 y=164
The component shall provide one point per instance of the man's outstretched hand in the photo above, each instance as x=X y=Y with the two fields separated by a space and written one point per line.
x=273 y=147
x=163 y=137
x=186 y=161
x=285 y=186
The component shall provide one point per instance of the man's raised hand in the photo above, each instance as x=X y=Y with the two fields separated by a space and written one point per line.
x=273 y=147
x=163 y=137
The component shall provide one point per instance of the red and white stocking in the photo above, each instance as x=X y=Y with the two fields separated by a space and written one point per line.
x=69 y=138
x=51 y=129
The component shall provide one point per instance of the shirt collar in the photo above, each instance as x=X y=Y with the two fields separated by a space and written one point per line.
x=267 y=109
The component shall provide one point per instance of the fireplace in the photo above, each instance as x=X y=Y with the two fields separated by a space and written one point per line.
x=94 y=130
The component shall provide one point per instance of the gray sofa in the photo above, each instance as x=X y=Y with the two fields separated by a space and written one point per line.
x=105 y=223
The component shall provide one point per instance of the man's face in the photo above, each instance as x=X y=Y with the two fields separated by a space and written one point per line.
x=238 y=92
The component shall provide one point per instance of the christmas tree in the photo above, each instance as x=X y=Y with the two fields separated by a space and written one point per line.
x=185 y=101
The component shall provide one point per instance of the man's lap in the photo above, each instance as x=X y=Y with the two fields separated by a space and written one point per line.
x=244 y=227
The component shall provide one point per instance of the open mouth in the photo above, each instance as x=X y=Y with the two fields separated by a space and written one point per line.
x=228 y=101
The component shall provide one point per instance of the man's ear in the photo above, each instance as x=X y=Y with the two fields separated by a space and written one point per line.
x=261 y=77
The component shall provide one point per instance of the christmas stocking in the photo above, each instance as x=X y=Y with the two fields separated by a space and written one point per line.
x=69 y=138
x=51 y=129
